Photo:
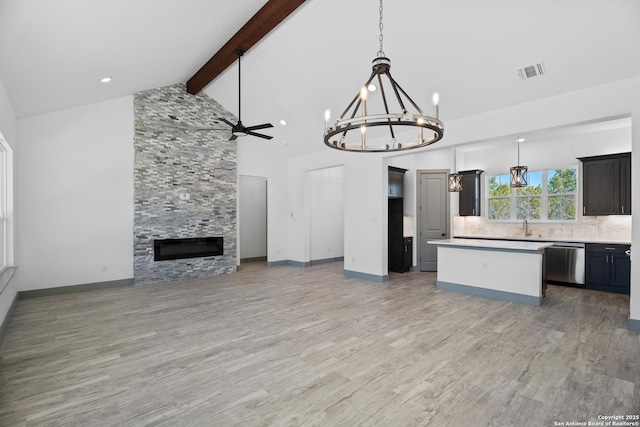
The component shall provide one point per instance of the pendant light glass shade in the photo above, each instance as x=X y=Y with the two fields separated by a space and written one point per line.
x=455 y=179
x=519 y=176
x=519 y=173
x=455 y=182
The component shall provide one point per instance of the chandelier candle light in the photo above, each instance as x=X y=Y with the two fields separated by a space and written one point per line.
x=519 y=173
x=384 y=126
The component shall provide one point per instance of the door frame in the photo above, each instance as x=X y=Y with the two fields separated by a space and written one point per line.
x=418 y=207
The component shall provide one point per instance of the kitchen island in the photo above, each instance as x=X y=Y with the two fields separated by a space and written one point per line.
x=500 y=269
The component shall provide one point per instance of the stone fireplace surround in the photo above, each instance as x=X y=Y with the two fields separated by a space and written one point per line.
x=184 y=182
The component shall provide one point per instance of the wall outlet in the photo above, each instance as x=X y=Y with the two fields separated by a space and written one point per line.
x=485 y=265
x=105 y=268
x=185 y=196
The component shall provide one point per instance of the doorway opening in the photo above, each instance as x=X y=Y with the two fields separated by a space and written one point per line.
x=325 y=188
x=252 y=218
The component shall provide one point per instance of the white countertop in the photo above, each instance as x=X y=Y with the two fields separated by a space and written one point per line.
x=509 y=245
x=550 y=239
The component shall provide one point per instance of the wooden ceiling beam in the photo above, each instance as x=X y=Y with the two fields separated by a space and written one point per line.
x=260 y=24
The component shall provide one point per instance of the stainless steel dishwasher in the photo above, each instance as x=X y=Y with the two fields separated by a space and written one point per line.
x=565 y=263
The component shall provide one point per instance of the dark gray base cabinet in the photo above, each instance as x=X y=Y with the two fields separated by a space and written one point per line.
x=608 y=268
x=408 y=253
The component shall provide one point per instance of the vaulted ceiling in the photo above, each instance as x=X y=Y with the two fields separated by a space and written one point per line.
x=54 y=53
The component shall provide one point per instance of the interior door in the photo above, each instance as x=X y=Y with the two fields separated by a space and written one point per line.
x=433 y=221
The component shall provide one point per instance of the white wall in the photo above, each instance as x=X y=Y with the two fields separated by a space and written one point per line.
x=365 y=206
x=8 y=133
x=366 y=215
x=537 y=154
x=75 y=196
x=325 y=191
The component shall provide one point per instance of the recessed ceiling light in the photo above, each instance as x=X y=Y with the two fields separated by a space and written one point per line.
x=105 y=79
x=283 y=122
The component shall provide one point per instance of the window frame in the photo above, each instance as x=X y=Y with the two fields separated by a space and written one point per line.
x=544 y=198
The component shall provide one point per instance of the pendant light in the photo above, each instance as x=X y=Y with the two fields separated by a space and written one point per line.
x=519 y=173
x=357 y=127
x=455 y=179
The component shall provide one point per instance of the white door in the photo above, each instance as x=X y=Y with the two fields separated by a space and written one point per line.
x=433 y=221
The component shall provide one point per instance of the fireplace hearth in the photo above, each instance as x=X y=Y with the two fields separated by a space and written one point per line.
x=198 y=247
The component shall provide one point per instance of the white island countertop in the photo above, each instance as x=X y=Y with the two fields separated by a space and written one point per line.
x=508 y=245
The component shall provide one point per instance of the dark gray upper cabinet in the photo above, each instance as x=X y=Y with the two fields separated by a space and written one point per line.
x=606 y=184
x=470 y=196
x=396 y=182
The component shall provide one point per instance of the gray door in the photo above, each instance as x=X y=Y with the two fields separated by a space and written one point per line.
x=433 y=221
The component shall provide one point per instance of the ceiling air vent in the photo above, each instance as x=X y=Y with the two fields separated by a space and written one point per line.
x=532 y=71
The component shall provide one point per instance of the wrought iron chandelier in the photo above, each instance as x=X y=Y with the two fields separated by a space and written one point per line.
x=358 y=130
x=519 y=173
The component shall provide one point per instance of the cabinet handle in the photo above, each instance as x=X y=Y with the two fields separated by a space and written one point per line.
x=610 y=249
x=473 y=211
x=584 y=210
x=607 y=259
x=622 y=208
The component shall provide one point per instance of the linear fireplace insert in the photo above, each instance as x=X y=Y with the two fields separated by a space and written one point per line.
x=167 y=249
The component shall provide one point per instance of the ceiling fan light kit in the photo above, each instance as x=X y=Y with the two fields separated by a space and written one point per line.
x=382 y=127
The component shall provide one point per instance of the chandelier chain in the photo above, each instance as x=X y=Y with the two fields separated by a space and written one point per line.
x=381 y=52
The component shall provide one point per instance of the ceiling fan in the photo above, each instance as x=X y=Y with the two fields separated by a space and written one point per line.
x=239 y=129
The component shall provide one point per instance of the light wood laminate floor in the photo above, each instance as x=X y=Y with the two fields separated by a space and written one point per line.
x=289 y=346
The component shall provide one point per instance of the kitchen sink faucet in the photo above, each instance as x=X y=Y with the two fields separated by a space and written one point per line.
x=525 y=226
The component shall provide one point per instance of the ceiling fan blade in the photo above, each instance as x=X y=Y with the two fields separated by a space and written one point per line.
x=227 y=122
x=233 y=137
x=262 y=126
x=259 y=135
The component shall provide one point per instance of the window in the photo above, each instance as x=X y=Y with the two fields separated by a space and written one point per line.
x=550 y=195
x=561 y=189
x=499 y=197
x=529 y=198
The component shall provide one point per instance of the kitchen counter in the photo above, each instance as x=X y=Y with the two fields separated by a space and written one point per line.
x=510 y=245
x=544 y=239
x=500 y=269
